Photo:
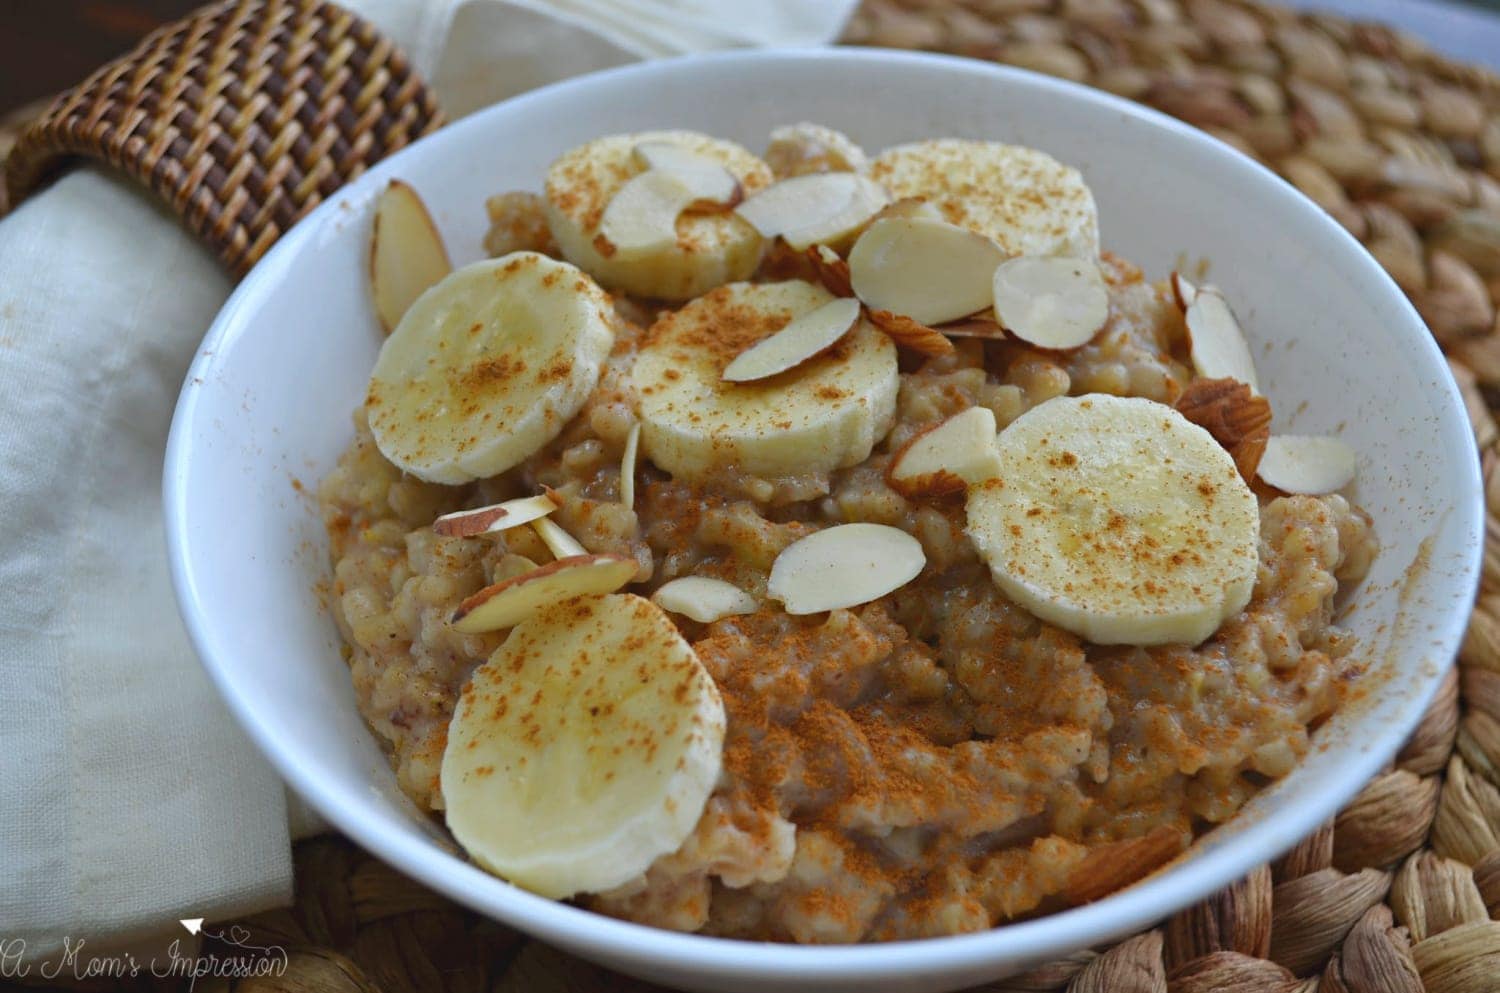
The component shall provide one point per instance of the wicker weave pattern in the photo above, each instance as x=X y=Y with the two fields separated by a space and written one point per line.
x=242 y=117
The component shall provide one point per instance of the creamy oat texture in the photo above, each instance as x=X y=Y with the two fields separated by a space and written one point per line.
x=933 y=762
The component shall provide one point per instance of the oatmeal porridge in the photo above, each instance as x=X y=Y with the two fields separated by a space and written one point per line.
x=817 y=547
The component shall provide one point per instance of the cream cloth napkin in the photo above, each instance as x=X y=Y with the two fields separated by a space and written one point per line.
x=129 y=799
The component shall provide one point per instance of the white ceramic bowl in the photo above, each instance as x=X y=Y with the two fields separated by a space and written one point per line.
x=270 y=397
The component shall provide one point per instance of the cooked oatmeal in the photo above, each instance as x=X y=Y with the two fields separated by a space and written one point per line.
x=935 y=761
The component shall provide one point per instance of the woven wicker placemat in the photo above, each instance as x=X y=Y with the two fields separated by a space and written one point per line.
x=1401 y=892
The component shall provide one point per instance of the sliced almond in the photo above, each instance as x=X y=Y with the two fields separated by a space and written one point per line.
x=1217 y=344
x=831 y=270
x=796 y=149
x=1183 y=291
x=559 y=542
x=947 y=456
x=795 y=343
x=818 y=207
x=703 y=599
x=844 y=566
x=495 y=517
x=507 y=603
x=974 y=326
x=406 y=253
x=671 y=156
x=1051 y=302
x=911 y=334
x=930 y=271
x=641 y=217
x=627 y=466
x=1307 y=465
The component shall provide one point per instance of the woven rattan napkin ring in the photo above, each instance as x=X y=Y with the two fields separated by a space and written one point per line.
x=243 y=117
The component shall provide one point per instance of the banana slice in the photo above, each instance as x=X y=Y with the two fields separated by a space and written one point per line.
x=1118 y=519
x=584 y=748
x=1024 y=199
x=825 y=414
x=487 y=366
x=710 y=248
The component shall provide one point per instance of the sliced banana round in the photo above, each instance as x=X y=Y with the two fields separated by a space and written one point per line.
x=1118 y=519
x=826 y=413
x=487 y=366
x=584 y=748
x=710 y=248
x=1027 y=201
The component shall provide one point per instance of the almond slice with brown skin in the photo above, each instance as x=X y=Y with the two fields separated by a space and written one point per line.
x=641 y=217
x=930 y=271
x=831 y=270
x=1056 y=303
x=1307 y=465
x=496 y=517
x=507 y=603
x=1183 y=291
x=795 y=343
x=974 y=326
x=703 y=599
x=911 y=334
x=406 y=253
x=844 y=566
x=946 y=457
x=1215 y=341
x=818 y=207
x=627 y=466
x=1238 y=419
x=1116 y=865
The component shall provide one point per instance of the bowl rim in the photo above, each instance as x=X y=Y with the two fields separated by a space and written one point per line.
x=1118 y=915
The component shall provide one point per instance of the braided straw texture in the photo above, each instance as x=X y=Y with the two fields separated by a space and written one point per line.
x=242 y=117
x=1401 y=892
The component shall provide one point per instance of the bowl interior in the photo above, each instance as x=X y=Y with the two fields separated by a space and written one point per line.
x=267 y=405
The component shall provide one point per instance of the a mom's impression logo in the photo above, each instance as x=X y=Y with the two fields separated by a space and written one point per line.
x=227 y=953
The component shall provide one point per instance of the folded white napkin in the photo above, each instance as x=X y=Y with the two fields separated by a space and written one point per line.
x=128 y=797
